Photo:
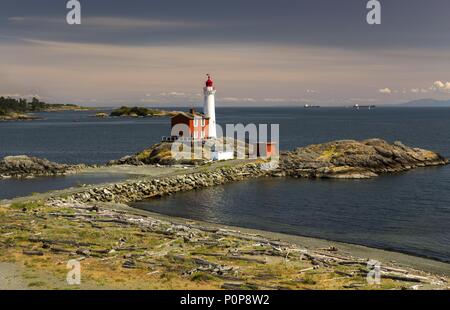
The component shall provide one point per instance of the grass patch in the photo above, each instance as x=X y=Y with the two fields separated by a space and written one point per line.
x=329 y=154
x=308 y=280
x=201 y=276
x=26 y=205
x=36 y=284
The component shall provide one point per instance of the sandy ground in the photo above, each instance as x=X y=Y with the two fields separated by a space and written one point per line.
x=11 y=277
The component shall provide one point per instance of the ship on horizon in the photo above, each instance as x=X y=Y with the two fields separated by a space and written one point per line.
x=307 y=106
x=357 y=106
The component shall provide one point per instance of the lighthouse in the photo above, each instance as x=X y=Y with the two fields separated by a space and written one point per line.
x=209 y=106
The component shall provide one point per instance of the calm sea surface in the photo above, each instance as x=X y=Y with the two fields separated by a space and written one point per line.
x=407 y=212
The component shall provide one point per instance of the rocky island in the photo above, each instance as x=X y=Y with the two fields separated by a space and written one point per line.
x=350 y=159
x=344 y=159
x=141 y=112
x=13 y=116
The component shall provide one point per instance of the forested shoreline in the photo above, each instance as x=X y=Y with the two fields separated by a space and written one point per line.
x=18 y=108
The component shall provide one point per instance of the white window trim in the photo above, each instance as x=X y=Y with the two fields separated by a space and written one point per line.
x=203 y=122
x=195 y=122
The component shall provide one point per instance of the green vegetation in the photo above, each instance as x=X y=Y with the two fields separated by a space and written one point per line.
x=11 y=105
x=140 y=111
x=36 y=284
x=26 y=205
x=201 y=276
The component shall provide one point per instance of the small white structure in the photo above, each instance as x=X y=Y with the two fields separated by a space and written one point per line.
x=222 y=155
x=209 y=107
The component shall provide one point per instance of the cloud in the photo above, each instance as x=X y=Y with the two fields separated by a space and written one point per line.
x=243 y=73
x=108 y=22
x=172 y=94
x=149 y=100
x=419 y=90
x=235 y=99
x=385 y=90
x=441 y=86
x=120 y=22
x=276 y=100
x=361 y=100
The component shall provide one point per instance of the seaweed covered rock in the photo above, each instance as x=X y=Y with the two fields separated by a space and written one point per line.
x=354 y=159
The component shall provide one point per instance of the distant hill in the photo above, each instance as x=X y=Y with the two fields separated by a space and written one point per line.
x=427 y=103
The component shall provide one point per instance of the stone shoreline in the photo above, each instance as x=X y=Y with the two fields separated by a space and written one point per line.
x=140 y=189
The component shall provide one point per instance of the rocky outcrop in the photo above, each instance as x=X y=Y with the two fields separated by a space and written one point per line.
x=18 y=117
x=345 y=159
x=135 y=190
x=161 y=153
x=25 y=166
x=102 y=115
x=141 y=112
x=350 y=159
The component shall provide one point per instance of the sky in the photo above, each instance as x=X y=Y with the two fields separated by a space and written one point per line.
x=259 y=52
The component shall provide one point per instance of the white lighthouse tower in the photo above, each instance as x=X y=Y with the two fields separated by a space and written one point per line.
x=209 y=106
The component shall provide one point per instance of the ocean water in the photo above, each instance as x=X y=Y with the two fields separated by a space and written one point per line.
x=408 y=212
x=10 y=188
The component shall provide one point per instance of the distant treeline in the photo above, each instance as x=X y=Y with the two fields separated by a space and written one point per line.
x=12 y=105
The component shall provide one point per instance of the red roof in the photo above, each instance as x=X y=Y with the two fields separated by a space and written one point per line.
x=190 y=115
